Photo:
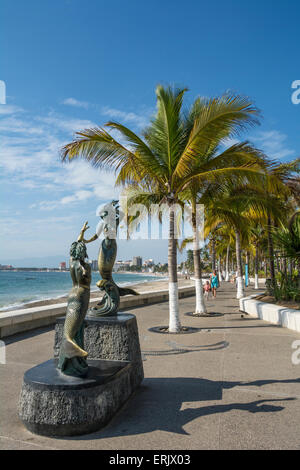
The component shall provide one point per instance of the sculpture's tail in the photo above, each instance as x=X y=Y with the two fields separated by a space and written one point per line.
x=127 y=291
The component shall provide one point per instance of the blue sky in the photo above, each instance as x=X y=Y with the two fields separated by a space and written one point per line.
x=69 y=64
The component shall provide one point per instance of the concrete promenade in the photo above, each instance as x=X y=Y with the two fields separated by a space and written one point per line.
x=231 y=385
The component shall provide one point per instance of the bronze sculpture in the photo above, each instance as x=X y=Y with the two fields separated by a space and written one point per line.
x=54 y=404
x=72 y=357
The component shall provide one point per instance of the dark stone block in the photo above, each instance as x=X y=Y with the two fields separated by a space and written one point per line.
x=52 y=404
x=46 y=376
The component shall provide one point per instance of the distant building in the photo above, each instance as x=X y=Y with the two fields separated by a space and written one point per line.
x=122 y=265
x=62 y=266
x=137 y=261
x=148 y=263
x=6 y=267
x=150 y=269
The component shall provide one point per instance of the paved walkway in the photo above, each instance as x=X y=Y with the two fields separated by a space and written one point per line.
x=231 y=385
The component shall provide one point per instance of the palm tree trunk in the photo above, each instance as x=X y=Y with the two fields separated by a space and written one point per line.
x=174 y=321
x=266 y=268
x=219 y=270
x=240 y=285
x=248 y=268
x=271 y=253
x=290 y=268
x=227 y=264
x=284 y=267
x=200 y=304
x=213 y=253
x=256 y=268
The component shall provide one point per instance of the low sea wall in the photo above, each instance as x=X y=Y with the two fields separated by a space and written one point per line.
x=283 y=316
x=18 y=321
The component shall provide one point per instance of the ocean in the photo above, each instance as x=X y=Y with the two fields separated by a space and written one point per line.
x=21 y=287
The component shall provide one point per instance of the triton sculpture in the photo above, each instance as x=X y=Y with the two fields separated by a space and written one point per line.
x=111 y=216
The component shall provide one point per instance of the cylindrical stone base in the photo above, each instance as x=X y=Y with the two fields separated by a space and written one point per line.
x=53 y=404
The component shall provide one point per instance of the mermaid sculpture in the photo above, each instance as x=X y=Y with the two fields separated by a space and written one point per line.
x=72 y=357
x=110 y=215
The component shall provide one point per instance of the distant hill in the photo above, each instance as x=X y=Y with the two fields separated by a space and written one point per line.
x=42 y=262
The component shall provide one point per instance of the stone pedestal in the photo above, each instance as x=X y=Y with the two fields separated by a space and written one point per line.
x=53 y=404
x=111 y=338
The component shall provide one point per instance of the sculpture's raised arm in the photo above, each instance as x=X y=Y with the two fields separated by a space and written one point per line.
x=81 y=235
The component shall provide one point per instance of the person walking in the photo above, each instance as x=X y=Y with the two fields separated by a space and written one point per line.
x=206 y=289
x=214 y=283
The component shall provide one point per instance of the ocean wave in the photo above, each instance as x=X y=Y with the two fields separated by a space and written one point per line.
x=25 y=301
x=22 y=302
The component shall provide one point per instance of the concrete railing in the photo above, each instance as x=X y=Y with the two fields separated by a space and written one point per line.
x=286 y=317
x=18 y=321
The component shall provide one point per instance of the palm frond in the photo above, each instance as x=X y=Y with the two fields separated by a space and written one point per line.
x=185 y=243
x=288 y=239
x=98 y=147
x=215 y=120
x=166 y=134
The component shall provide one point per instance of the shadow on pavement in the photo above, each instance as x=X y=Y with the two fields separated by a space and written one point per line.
x=157 y=406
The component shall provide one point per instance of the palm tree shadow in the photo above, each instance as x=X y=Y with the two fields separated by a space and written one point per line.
x=157 y=406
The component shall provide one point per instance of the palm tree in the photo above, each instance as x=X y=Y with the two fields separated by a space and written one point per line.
x=177 y=150
x=225 y=236
x=213 y=250
x=209 y=124
x=230 y=242
x=282 y=186
x=288 y=240
x=256 y=235
x=237 y=208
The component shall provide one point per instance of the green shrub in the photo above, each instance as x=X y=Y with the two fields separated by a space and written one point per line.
x=287 y=287
x=261 y=273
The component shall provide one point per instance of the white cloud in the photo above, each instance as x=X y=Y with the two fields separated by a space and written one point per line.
x=77 y=196
x=39 y=186
x=76 y=103
x=24 y=158
x=273 y=143
x=9 y=109
x=89 y=182
x=13 y=124
x=31 y=160
x=230 y=141
x=66 y=124
x=138 y=120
